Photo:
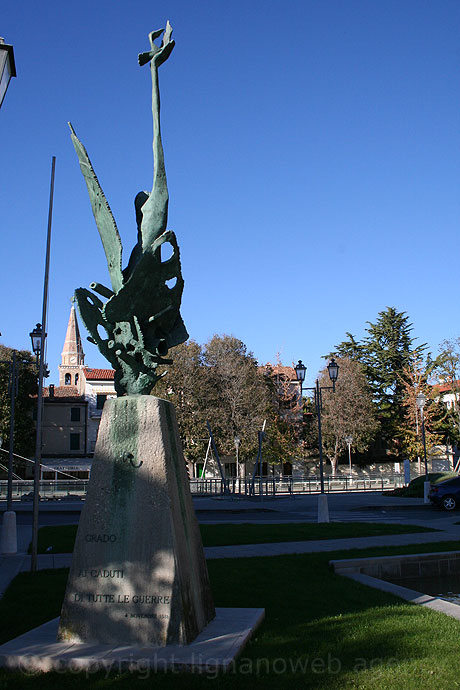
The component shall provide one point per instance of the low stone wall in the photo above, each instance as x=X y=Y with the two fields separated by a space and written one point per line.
x=400 y=567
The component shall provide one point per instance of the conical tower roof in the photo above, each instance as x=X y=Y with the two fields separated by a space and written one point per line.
x=72 y=352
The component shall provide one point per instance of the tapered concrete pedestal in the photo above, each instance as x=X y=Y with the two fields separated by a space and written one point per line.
x=138 y=573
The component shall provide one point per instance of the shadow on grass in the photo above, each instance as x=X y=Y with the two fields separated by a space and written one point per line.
x=322 y=631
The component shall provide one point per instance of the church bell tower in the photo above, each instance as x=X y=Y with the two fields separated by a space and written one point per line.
x=72 y=356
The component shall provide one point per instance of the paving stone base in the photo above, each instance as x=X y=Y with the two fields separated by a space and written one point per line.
x=214 y=649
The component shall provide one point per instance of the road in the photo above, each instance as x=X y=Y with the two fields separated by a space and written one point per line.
x=346 y=507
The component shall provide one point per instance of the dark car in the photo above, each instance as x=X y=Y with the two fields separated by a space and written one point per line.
x=446 y=494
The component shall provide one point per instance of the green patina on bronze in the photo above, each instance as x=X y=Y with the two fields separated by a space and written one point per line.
x=140 y=320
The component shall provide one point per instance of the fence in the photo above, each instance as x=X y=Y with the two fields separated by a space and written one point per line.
x=48 y=489
x=64 y=490
x=272 y=486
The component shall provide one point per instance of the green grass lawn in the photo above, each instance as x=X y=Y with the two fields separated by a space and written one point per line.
x=61 y=538
x=321 y=631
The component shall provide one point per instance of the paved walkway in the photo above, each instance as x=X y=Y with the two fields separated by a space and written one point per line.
x=11 y=565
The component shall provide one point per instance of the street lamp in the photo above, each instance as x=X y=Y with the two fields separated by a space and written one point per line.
x=349 y=440
x=421 y=401
x=333 y=371
x=7 y=67
x=237 y=441
x=36 y=338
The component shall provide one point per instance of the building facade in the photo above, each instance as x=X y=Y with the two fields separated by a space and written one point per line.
x=72 y=411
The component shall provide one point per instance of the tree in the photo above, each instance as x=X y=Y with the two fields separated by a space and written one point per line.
x=240 y=397
x=350 y=348
x=386 y=352
x=349 y=411
x=24 y=429
x=447 y=368
x=415 y=381
x=285 y=418
x=187 y=387
x=220 y=383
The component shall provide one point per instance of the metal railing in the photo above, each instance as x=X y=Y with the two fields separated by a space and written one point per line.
x=272 y=486
x=50 y=489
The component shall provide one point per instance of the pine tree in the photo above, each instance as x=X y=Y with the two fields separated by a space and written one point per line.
x=388 y=351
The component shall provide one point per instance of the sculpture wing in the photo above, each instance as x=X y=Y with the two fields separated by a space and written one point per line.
x=102 y=214
x=147 y=294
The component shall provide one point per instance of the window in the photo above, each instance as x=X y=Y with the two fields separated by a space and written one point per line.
x=76 y=379
x=67 y=380
x=230 y=469
x=100 y=400
x=74 y=414
x=287 y=469
x=74 y=441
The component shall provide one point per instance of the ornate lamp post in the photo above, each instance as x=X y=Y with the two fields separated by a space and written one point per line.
x=421 y=401
x=349 y=440
x=36 y=340
x=7 y=67
x=37 y=337
x=237 y=441
x=333 y=370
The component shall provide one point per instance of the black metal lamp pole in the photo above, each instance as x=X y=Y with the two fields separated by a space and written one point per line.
x=421 y=400
x=333 y=369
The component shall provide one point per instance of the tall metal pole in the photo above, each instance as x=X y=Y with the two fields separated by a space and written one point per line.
x=424 y=442
x=38 y=438
x=320 y=438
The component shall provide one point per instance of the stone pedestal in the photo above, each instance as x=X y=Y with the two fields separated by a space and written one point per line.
x=138 y=573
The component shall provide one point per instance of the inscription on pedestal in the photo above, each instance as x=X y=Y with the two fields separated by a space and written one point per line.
x=138 y=572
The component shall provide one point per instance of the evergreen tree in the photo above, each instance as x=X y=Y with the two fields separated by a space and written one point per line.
x=388 y=351
x=349 y=349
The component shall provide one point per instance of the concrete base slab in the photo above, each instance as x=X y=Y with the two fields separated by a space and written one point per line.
x=214 y=649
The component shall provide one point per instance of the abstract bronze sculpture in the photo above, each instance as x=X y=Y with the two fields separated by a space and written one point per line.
x=140 y=321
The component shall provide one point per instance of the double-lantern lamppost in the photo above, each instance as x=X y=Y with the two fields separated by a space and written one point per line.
x=300 y=372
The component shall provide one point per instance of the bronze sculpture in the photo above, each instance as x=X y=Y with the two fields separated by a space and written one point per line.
x=140 y=321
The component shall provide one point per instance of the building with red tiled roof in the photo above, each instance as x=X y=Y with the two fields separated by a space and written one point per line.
x=99 y=374
x=72 y=410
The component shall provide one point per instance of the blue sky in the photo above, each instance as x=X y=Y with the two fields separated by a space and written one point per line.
x=312 y=152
